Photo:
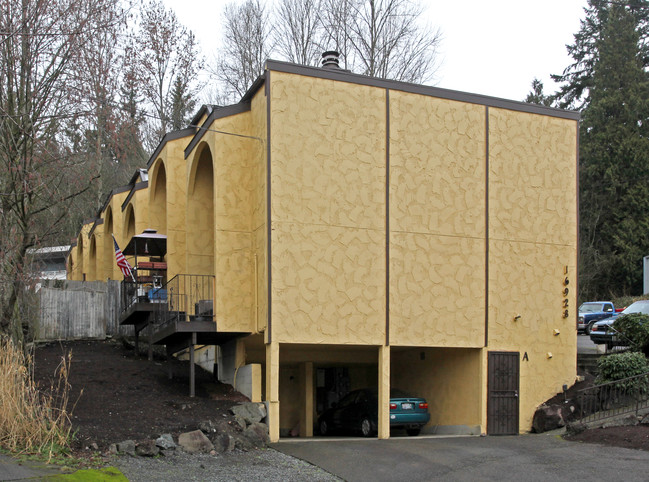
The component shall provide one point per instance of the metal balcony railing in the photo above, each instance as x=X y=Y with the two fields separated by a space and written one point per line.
x=185 y=297
x=629 y=395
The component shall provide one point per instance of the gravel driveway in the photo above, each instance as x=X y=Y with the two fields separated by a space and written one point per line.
x=267 y=465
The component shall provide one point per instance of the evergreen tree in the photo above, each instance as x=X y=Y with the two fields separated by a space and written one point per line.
x=536 y=96
x=614 y=152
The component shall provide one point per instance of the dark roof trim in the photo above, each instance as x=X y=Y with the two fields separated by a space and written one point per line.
x=138 y=174
x=256 y=85
x=343 y=76
x=169 y=136
x=136 y=187
x=205 y=109
x=98 y=222
x=117 y=190
x=218 y=113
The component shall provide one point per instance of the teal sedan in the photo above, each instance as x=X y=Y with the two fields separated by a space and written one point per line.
x=357 y=412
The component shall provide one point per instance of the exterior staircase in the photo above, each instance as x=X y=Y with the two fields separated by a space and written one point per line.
x=588 y=362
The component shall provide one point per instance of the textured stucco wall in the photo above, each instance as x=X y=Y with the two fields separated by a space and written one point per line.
x=327 y=211
x=140 y=201
x=258 y=112
x=84 y=242
x=533 y=242
x=172 y=155
x=200 y=246
x=94 y=270
x=437 y=221
x=115 y=204
x=234 y=186
x=158 y=197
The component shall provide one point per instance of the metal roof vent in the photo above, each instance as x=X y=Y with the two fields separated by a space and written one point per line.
x=330 y=59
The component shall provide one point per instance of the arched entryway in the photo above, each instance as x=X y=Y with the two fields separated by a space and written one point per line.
x=200 y=214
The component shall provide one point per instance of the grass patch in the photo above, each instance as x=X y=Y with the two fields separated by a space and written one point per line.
x=108 y=473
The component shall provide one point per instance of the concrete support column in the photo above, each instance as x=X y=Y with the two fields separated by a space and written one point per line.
x=306 y=389
x=272 y=390
x=384 y=392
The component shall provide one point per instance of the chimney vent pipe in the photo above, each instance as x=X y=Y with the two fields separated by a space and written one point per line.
x=330 y=59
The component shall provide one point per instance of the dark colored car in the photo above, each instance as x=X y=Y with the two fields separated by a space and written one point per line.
x=603 y=332
x=593 y=311
x=358 y=412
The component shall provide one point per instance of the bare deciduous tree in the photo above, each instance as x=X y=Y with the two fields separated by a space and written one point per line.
x=169 y=59
x=389 y=41
x=39 y=42
x=246 y=36
x=299 y=28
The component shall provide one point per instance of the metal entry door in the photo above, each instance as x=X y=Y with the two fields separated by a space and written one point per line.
x=502 y=404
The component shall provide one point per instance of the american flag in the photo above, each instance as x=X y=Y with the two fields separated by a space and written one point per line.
x=121 y=261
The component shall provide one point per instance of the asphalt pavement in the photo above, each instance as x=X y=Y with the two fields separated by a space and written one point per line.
x=540 y=457
x=585 y=345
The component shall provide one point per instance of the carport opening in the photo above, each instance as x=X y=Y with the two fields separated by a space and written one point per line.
x=334 y=372
x=450 y=379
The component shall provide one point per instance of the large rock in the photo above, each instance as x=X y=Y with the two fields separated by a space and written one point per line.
x=629 y=420
x=165 y=442
x=548 y=417
x=147 y=448
x=253 y=437
x=126 y=447
x=195 y=442
x=250 y=412
x=208 y=426
x=224 y=442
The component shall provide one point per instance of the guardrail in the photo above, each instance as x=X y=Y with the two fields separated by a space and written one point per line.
x=629 y=395
x=186 y=297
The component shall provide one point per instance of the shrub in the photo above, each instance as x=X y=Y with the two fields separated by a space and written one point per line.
x=634 y=328
x=623 y=365
x=31 y=421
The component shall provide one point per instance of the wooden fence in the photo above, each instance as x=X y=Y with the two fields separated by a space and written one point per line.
x=72 y=310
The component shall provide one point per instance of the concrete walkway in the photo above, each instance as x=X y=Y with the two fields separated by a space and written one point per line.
x=13 y=469
x=524 y=457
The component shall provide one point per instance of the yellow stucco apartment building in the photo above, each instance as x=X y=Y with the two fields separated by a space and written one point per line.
x=359 y=232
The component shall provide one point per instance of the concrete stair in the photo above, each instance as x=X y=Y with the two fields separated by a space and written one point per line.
x=588 y=362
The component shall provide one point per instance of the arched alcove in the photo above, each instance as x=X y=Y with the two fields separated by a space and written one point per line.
x=129 y=223
x=158 y=198
x=81 y=269
x=92 y=260
x=109 y=247
x=200 y=214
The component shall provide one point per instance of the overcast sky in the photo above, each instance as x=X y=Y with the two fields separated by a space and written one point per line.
x=492 y=47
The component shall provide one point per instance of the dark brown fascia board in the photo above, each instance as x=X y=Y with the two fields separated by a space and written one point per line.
x=98 y=222
x=136 y=187
x=136 y=175
x=169 y=136
x=117 y=190
x=243 y=106
x=256 y=85
x=344 y=76
x=205 y=109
